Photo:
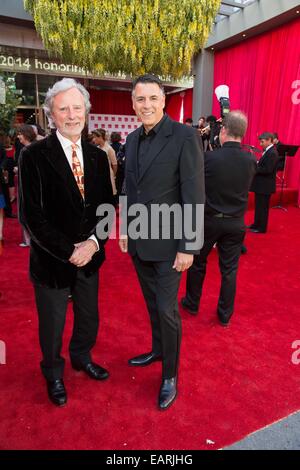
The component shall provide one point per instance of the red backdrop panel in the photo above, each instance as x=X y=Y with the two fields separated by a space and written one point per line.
x=111 y=102
x=173 y=105
x=188 y=104
x=263 y=75
x=119 y=102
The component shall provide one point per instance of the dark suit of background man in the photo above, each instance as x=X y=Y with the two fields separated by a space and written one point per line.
x=264 y=183
x=164 y=165
x=59 y=213
x=228 y=175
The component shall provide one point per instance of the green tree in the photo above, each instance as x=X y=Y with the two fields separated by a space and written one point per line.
x=12 y=101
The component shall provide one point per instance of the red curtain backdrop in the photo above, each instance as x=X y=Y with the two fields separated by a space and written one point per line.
x=188 y=104
x=173 y=105
x=111 y=102
x=119 y=102
x=174 y=102
x=263 y=75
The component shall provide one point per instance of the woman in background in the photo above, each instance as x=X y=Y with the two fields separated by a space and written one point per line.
x=26 y=136
x=100 y=139
x=119 y=149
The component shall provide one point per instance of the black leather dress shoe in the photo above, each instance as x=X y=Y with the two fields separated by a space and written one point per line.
x=167 y=393
x=186 y=306
x=92 y=370
x=255 y=230
x=144 y=359
x=225 y=324
x=57 y=392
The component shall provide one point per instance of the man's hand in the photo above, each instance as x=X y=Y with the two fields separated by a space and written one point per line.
x=123 y=243
x=83 y=253
x=183 y=261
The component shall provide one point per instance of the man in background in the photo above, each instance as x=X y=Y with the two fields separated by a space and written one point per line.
x=229 y=171
x=281 y=159
x=188 y=122
x=264 y=183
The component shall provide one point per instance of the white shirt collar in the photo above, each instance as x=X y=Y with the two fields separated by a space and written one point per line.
x=65 y=143
x=269 y=146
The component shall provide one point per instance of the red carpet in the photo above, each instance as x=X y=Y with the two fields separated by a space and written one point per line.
x=289 y=196
x=232 y=381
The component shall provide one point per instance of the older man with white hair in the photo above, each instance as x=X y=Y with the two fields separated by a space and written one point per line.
x=63 y=180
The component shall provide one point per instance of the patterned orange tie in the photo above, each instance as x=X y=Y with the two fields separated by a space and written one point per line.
x=77 y=171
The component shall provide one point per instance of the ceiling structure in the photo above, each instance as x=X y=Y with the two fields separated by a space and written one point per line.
x=238 y=20
x=229 y=7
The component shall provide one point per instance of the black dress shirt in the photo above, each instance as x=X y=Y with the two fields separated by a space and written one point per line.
x=145 y=141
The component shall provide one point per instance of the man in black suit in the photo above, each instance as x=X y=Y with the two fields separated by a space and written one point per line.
x=62 y=182
x=164 y=169
x=264 y=183
x=228 y=175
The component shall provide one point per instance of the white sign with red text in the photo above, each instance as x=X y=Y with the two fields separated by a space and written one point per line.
x=114 y=123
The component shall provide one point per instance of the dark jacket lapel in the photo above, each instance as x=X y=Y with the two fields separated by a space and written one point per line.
x=265 y=156
x=134 y=153
x=90 y=165
x=59 y=162
x=158 y=144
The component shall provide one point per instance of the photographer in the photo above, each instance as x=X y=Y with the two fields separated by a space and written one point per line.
x=214 y=131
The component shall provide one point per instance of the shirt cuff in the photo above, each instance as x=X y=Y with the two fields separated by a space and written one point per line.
x=92 y=237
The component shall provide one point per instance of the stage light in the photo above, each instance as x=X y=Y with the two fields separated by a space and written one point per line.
x=222 y=94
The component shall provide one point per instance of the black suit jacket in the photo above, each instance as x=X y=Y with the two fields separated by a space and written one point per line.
x=173 y=172
x=53 y=211
x=229 y=171
x=264 y=181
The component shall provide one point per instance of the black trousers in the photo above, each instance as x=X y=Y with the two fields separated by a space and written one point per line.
x=52 y=306
x=262 y=203
x=229 y=234
x=160 y=283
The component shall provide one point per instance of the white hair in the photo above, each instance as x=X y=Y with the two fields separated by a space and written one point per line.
x=34 y=128
x=64 y=85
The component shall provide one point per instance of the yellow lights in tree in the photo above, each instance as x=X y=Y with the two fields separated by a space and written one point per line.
x=128 y=36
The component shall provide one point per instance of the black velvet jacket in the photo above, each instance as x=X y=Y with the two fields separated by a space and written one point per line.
x=52 y=210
